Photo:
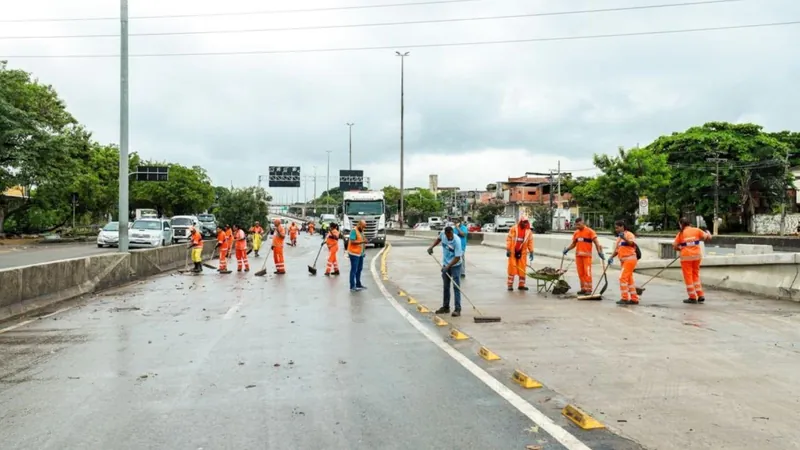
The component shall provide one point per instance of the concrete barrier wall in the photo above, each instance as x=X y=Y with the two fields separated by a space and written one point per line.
x=27 y=288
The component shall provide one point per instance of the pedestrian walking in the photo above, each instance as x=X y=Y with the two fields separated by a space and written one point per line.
x=293 y=234
x=626 y=249
x=223 y=246
x=462 y=230
x=687 y=242
x=258 y=235
x=332 y=241
x=582 y=240
x=452 y=263
x=356 y=251
x=278 y=240
x=240 y=239
x=519 y=247
x=196 y=247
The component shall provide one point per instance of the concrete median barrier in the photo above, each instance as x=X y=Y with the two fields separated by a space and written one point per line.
x=28 y=288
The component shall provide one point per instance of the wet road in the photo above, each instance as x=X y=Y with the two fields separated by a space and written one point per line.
x=41 y=253
x=213 y=362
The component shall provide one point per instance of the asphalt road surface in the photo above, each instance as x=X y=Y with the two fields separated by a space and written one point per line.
x=41 y=253
x=239 y=362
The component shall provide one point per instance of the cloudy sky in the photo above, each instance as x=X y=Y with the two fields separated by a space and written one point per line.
x=473 y=114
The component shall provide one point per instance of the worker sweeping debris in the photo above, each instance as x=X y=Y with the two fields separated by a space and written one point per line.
x=223 y=244
x=240 y=240
x=258 y=236
x=332 y=241
x=582 y=241
x=687 y=242
x=594 y=295
x=278 y=239
x=629 y=255
x=196 y=247
x=519 y=246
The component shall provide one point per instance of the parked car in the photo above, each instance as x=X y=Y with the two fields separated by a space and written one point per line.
x=488 y=228
x=208 y=224
x=649 y=227
x=150 y=233
x=422 y=226
x=109 y=235
x=180 y=227
x=473 y=227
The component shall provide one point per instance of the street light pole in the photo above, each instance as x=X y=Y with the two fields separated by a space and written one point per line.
x=402 y=118
x=123 y=128
x=715 y=225
x=350 y=127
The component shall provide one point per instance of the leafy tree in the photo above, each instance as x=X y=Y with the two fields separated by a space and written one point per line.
x=188 y=191
x=420 y=205
x=392 y=197
x=541 y=219
x=242 y=206
x=487 y=212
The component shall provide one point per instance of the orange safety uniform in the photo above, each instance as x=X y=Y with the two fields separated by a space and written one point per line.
x=332 y=241
x=229 y=235
x=584 y=241
x=627 y=258
x=293 y=230
x=222 y=240
x=310 y=228
x=688 y=242
x=277 y=249
x=241 y=251
x=519 y=240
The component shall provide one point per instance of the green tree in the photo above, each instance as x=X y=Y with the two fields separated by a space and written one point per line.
x=420 y=205
x=541 y=219
x=392 y=196
x=188 y=191
x=242 y=206
x=487 y=211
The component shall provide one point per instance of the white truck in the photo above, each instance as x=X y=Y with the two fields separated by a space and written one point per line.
x=369 y=206
x=503 y=224
x=145 y=213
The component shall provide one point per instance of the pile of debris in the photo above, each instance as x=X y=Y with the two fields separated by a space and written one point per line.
x=561 y=287
x=551 y=271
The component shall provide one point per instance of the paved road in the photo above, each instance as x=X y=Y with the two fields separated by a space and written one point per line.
x=40 y=253
x=722 y=375
x=239 y=362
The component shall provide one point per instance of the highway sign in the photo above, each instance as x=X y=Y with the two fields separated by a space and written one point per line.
x=284 y=176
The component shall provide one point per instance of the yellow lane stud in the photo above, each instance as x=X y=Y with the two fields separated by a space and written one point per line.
x=580 y=418
x=487 y=354
x=412 y=301
x=525 y=381
x=402 y=293
x=457 y=335
x=423 y=309
x=439 y=321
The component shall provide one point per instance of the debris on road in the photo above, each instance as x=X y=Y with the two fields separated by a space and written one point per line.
x=250 y=386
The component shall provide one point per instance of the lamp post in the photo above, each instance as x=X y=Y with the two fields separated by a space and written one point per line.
x=350 y=127
x=402 y=117
x=123 y=129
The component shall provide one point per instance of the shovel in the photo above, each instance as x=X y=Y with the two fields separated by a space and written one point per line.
x=313 y=269
x=263 y=270
x=603 y=278
x=640 y=290
x=479 y=317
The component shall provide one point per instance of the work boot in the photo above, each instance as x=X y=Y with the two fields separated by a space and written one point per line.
x=522 y=288
x=247 y=269
x=701 y=299
x=225 y=272
x=510 y=288
x=335 y=272
x=624 y=302
x=691 y=301
x=197 y=268
x=256 y=253
x=582 y=292
x=443 y=310
x=327 y=274
x=456 y=313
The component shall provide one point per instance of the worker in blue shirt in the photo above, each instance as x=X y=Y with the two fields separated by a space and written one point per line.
x=462 y=231
x=451 y=269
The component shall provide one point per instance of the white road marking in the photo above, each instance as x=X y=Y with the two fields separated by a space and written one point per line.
x=23 y=323
x=560 y=434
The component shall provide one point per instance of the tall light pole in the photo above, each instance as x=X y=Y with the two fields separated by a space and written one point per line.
x=123 y=128
x=402 y=117
x=350 y=127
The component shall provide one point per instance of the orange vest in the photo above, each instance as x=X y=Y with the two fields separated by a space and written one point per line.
x=222 y=239
x=626 y=251
x=688 y=241
x=197 y=240
x=280 y=235
x=584 y=239
x=256 y=229
x=241 y=240
x=293 y=230
x=333 y=240
x=356 y=247
x=229 y=237
x=514 y=240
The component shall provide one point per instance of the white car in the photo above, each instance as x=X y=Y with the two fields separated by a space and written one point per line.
x=487 y=228
x=150 y=233
x=109 y=235
x=422 y=226
x=180 y=227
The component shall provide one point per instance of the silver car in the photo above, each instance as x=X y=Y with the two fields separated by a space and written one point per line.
x=150 y=233
x=109 y=235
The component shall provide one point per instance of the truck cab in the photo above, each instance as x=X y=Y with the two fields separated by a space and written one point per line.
x=369 y=206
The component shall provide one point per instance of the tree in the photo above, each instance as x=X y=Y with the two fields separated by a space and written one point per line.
x=392 y=196
x=188 y=191
x=420 y=205
x=541 y=219
x=487 y=211
x=242 y=206
x=37 y=136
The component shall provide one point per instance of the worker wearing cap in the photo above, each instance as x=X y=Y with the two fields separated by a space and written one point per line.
x=332 y=241
x=258 y=236
x=196 y=247
x=451 y=269
x=278 y=240
x=519 y=248
x=240 y=238
x=687 y=242
x=223 y=246
x=582 y=241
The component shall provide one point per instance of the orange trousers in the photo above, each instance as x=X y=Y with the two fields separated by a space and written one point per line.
x=584 y=266
x=277 y=256
x=691 y=278
x=223 y=258
x=627 y=287
x=241 y=259
x=516 y=267
x=333 y=263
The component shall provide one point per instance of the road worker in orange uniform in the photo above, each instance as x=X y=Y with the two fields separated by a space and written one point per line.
x=258 y=236
x=223 y=244
x=196 y=247
x=626 y=249
x=519 y=249
x=277 y=247
x=310 y=227
x=687 y=242
x=229 y=235
x=293 y=230
x=240 y=238
x=582 y=241
x=332 y=241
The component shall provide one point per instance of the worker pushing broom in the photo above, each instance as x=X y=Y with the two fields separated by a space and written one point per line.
x=582 y=241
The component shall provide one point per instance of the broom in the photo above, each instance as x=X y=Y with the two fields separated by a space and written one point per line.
x=263 y=270
x=313 y=270
x=640 y=290
x=479 y=317
x=593 y=295
x=212 y=257
x=186 y=266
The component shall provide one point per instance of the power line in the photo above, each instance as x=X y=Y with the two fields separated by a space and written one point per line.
x=244 y=13
x=393 y=47
x=383 y=24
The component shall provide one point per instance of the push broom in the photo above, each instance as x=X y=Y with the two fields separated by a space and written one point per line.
x=603 y=278
x=263 y=270
x=479 y=317
x=640 y=290
x=313 y=269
